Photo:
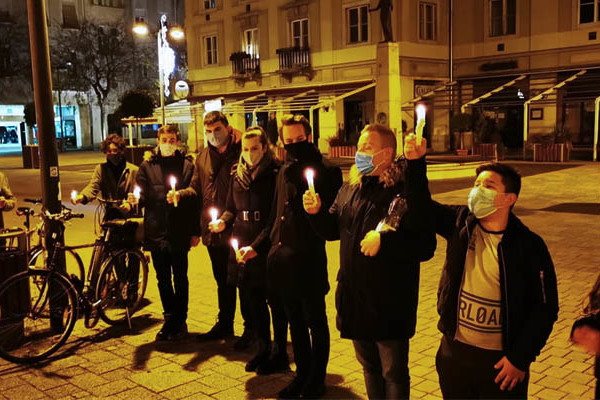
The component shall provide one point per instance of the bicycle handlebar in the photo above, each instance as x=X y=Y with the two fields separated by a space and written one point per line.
x=33 y=201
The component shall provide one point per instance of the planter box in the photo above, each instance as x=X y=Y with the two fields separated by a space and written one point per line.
x=342 y=151
x=462 y=152
x=488 y=151
x=559 y=152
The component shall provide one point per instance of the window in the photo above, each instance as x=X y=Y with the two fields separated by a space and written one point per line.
x=589 y=11
x=358 y=24
x=251 y=41
x=108 y=3
x=427 y=21
x=503 y=17
x=211 y=50
x=208 y=4
x=300 y=33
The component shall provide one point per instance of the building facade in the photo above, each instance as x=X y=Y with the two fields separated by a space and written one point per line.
x=314 y=56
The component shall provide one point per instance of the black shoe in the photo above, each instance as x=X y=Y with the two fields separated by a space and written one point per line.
x=165 y=332
x=256 y=361
x=179 y=332
x=293 y=390
x=313 y=391
x=218 y=332
x=276 y=364
x=245 y=341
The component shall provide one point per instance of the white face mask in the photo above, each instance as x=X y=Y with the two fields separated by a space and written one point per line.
x=167 y=149
x=252 y=157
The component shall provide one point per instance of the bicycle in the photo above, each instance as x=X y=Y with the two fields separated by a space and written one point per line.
x=32 y=329
x=37 y=253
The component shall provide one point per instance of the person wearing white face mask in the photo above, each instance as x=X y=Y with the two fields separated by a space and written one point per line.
x=497 y=298
x=248 y=209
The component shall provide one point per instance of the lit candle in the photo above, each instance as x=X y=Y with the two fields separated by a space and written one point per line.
x=420 y=123
x=213 y=214
x=310 y=178
x=235 y=245
x=137 y=191
x=173 y=182
x=74 y=195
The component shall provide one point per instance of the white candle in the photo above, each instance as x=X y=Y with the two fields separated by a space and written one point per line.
x=213 y=214
x=421 y=113
x=310 y=178
x=173 y=182
x=137 y=191
x=73 y=195
x=235 y=245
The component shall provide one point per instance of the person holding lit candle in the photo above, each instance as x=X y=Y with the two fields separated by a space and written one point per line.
x=378 y=281
x=211 y=183
x=248 y=209
x=111 y=180
x=169 y=231
x=297 y=261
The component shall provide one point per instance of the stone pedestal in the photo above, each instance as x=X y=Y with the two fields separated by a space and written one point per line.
x=387 y=91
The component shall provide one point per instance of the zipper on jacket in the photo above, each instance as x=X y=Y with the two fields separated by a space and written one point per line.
x=505 y=285
x=543 y=286
x=462 y=279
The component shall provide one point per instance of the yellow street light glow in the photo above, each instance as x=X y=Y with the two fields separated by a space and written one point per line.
x=140 y=29
x=176 y=33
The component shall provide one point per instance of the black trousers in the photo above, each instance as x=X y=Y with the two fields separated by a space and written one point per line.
x=385 y=367
x=310 y=335
x=468 y=372
x=174 y=294
x=226 y=293
x=259 y=302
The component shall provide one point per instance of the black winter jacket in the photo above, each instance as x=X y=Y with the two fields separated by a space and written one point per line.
x=210 y=185
x=249 y=212
x=167 y=226
x=297 y=261
x=377 y=297
x=527 y=283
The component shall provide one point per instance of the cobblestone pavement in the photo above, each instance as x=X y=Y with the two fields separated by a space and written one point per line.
x=114 y=362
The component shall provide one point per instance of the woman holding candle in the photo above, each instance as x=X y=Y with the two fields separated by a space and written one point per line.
x=248 y=209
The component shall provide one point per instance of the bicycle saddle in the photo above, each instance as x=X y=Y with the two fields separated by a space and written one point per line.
x=24 y=211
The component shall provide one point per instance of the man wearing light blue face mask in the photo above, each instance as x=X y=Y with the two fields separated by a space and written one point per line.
x=497 y=297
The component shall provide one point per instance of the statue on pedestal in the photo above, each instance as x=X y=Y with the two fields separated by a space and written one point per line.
x=385 y=8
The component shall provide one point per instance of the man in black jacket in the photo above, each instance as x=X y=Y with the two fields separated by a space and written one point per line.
x=170 y=227
x=497 y=297
x=211 y=182
x=297 y=262
x=385 y=231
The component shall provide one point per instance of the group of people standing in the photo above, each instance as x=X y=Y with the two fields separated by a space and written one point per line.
x=497 y=298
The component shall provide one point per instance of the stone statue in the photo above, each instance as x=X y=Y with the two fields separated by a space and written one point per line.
x=385 y=8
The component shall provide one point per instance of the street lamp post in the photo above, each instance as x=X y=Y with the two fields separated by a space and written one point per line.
x=163 y=50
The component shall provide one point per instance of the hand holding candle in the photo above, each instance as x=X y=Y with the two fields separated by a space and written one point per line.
x=421 y=114
x=236 y=248
x=74 y=196
x=213 y=215
x=173 y=182
x=137 y=192
x=309 y=173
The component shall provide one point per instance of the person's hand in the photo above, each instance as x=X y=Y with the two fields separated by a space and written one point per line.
x=588 y=338
x=131 y=199
x=411 y=150
x=2 y=202
x=370 y=245
x=125 y=206
x=194 y=241
x=245 y=254
x=217 y=226
x=311 y=202
x=172 y=195
x=77 y=200
x=509 y=375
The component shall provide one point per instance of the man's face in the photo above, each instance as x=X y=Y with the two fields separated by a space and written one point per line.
x=369 y=143
x=493 y=181
x=293 y=134
x=216 y=128
x=168 y=138
x=113 y=149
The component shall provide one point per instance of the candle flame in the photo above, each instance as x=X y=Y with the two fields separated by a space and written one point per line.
x=213 y=213
x=235 y=244
x=173 y=181
x=421 y=111
x=74 y=194
x=137 y=192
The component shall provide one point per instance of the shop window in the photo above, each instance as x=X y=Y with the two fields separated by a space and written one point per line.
x=589 y=11
x=211 y=50
x=251 y=42
x=358 y=24
x=427 y=21
x=503 y=17
x=299 y=30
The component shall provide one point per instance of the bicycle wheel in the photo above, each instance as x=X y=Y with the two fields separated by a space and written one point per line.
x=38 y=256
x=121 y=285
x=38 y=310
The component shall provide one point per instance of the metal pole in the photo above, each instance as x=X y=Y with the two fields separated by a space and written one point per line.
x=450 y=68
x=62 y=128
x=160 y=73
x=525 y=127
x=596 y=114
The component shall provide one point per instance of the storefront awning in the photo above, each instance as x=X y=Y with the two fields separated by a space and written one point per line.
x=442 y=95
x=518 y=97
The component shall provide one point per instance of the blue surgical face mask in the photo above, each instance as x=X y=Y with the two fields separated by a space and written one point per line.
x=364 y=163
x=481 y=201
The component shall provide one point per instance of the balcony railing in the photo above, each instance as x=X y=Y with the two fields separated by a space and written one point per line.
x=294 y=61
x=245 y=66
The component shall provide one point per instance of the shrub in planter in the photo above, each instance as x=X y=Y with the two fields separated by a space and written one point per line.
x=461 y=123
x=340 y=146
x=553 y=147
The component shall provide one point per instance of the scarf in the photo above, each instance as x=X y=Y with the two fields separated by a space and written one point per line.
x=244 y=174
